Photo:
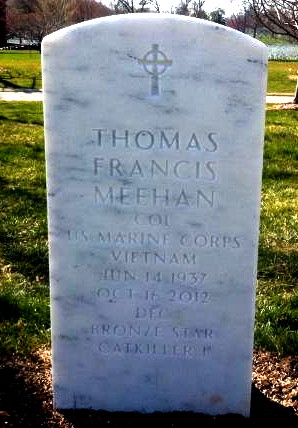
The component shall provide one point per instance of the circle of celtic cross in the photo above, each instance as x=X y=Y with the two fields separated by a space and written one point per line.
x=155 y=63
x=154 y=59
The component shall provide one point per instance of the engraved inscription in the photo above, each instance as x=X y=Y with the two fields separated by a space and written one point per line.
x=193 y=348
x=120 y=330
x=176 y=282
x=193 y=296
x=143 y=196
x=158 y=239
x=121 y=190
x=152 y=313
x=178 y=278
x=136 y=330
x=156 y=140
x=182 y=169
x=156 y=349
x=153 y=257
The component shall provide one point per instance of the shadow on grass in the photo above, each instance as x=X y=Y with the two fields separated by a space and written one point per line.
x=9 y=310
x=24 y=403
x=24 y=112
x=31 y=262
x=273 y=173
x=30 y=118
x=277 y=301
x=27 y=253
x=8 y=84
x=276 y=263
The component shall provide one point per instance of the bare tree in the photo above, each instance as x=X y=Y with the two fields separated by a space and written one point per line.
x=82 y=10
x=3 y=24
x=33 y=19
x=278 y=16
x=198 y=11
x=238 y=22
x=17 y=24
x=155 y=5
x=183 y=8
x=132 y=6
x=136 y=6
x=245 y=20
x=51 y=15
x=125 y=6
x=19 y=18
x=218 y=16
x=26 y=6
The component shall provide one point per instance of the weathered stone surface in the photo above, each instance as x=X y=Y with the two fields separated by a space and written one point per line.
x=154 y=130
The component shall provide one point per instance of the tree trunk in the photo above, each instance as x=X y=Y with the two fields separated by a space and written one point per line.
x=296 y=94
x=2 y=23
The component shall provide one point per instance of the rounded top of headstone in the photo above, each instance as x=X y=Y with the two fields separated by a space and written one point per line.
x=163 y=20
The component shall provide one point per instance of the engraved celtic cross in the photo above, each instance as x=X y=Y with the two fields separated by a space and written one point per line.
x=155 y=63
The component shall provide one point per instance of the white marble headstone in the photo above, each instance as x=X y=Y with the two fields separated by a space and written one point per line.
x=154 y=130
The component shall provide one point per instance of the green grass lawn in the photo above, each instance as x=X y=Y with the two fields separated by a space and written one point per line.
x=281 y=76
x=24 y=290
x=277 y=308
x=268 y=39
x=20 y=69
x=24 y=306
x=23 y=70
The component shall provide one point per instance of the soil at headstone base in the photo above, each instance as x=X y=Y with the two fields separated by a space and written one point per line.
x=26 y=400
x=282 y=106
